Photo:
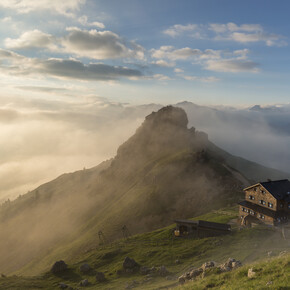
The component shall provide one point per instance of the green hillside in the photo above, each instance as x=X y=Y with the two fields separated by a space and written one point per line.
x=159 y=248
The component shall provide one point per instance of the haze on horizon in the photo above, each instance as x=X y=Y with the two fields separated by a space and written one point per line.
x=75 y=74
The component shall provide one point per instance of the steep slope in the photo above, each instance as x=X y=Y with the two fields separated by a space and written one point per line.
x=162 y=172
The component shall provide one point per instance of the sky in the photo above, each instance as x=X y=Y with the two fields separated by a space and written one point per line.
x=78 y=77
x=135 y=51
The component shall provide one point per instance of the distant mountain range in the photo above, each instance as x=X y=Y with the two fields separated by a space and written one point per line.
x=162 y=172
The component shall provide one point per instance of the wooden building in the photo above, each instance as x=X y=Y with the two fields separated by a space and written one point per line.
x=266 y=202
x=200 y=228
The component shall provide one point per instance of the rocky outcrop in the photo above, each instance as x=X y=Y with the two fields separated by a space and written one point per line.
x=205 y=268
x=130 y=265
x=58 y=267
x=85 y=268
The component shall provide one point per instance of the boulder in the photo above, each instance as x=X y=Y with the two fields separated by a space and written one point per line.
x=62 y=286
x=58 y=267
x=208 y=265
x=236 y=264
x=84 y=283
x=251 y=273
x=196 y=272
x=130 y=263
x=100 y=277
x=182 y=279
x=85 y=268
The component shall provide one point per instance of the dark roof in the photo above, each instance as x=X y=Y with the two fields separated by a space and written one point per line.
x=205 y=224
x=263 y=210
x=186 y=222
x=212 y=225
x=280 y=189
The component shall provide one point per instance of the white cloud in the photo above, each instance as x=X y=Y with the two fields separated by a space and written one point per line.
x=100 y=45
x=184 y=53
x=244 y=33
x=178 y=70
x=84 y=21
x=31 y=39
x=232 y=65
x=178 y=29
x=67 y=7
x=163 y=63
x=210 y=79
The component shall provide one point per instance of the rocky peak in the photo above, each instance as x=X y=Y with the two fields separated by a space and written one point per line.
x=168 y=115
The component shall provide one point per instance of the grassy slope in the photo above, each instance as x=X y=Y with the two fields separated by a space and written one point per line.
x=271 y=273
x=159 y=248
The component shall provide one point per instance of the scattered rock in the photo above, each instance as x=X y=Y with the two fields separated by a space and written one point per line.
x=144 y=270
x=85 y=268
x=282 y=253
x=182 y=279
x=208 y=265
x=251 y=273
x=100 y=277
x=236 y=264
x=196 y=272
x=62 y=286
x=163 y=271
x=270 y=253
x=269 y=283
x=58 y=267
x=84 y=283
x=229 y=265
x=177 y=262
x=130 y=263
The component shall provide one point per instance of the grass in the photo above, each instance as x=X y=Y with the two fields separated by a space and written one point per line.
x=161 y=248
x=271 y=273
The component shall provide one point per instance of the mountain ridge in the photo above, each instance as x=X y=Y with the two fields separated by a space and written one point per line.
x=163 y=171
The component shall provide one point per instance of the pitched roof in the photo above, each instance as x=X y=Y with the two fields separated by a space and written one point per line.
x=280 y=189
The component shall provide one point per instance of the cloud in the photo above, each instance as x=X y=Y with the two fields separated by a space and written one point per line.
x=61 y=7
x=31 y=39
x=210 y=79
x=84 y=21
x=18 y=65
x=182 y=54
x=221 y=28
x=178 y=70
x=179 y=29
x=100 y=45
x=163 y=63
x=214 y=60
x=244 y=33
x=232 y=65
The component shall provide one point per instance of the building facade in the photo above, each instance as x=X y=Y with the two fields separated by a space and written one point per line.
x=266 y=202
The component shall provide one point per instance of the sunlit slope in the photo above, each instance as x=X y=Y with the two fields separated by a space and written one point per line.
x=161 y=248
x=164 y=171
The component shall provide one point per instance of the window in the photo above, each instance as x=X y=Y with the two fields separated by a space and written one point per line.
x=255 y=188
x=262 y=202
x=251 y=197
x=252 y=212
x=243 y=209
x=270 y=204
x=261 y=216
x=263 y=191
x=281 y=204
